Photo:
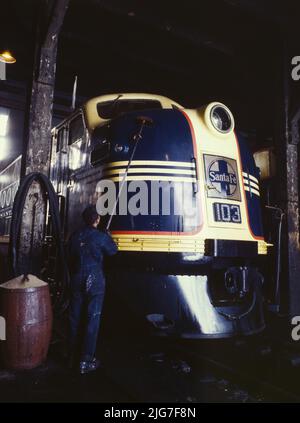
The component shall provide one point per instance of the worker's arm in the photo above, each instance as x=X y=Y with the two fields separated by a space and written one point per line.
x=102 y=244
x=109 y=245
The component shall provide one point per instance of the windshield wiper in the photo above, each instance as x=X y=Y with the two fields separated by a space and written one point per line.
x=113 y=104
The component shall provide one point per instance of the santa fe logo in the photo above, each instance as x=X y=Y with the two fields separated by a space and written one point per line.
x=222 y=177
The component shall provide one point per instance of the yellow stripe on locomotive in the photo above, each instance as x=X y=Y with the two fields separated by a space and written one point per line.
x=212 y=146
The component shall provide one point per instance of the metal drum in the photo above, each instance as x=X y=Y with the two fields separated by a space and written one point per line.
x=26 y=307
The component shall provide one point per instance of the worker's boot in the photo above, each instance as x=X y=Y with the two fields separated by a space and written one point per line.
x=88 y=366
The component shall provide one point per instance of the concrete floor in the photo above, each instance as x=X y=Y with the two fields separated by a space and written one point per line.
x=54 y=382
x=134 y=370
x=128 y=375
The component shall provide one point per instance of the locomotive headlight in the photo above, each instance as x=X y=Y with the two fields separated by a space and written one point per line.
x=219 y=119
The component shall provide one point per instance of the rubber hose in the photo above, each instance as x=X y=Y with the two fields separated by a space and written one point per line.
x=60 y=303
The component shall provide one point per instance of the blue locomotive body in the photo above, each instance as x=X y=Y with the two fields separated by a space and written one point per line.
x=184 y=192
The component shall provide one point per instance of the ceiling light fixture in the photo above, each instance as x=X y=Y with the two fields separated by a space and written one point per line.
x=7 y=57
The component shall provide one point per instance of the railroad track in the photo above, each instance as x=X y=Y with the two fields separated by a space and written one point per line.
x=152 y=370
x=163 y=370
x=260 y=368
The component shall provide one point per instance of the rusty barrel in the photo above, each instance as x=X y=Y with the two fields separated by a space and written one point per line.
x=26 y=308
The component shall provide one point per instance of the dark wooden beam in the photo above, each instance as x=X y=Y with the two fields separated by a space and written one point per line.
x=36 y=157
x=288 y=168
x=292 y=210
x=193 y=36
x=266 y=10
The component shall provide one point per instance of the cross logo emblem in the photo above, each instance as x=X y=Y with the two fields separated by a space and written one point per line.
x=221 y=177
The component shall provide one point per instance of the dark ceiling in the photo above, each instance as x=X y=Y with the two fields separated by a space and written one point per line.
x=193 y=51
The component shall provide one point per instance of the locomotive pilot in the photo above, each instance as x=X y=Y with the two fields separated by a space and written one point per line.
x=86 y=249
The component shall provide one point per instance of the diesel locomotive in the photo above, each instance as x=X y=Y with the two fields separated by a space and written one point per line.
x=179 y=190
x=192 y=272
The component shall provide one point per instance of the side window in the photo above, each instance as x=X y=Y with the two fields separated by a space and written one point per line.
x=100 y=145
x=99 y=153
x=60 y=140
x=76 y=129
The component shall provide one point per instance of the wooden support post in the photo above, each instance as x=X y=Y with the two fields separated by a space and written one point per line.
x=36 y=157
x=288 y=170
x=292 y=213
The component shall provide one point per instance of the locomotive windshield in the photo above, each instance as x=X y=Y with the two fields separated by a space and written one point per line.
x=111 y=109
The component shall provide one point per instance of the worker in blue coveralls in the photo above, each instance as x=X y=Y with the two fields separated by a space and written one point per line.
x=86 y=249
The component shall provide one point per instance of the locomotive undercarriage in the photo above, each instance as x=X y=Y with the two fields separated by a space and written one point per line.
x=187 y=296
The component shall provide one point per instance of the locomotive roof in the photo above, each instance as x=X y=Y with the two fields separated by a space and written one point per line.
x=90 y=107
x=92 y=117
